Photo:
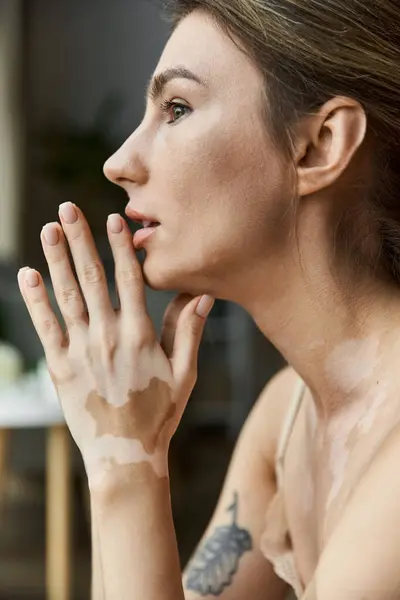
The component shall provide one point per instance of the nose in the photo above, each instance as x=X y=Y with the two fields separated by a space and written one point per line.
x=126 y=165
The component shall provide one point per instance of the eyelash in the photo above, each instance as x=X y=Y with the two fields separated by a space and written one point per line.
x=166 y=106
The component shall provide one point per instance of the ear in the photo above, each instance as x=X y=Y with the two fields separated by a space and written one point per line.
x=326 y=142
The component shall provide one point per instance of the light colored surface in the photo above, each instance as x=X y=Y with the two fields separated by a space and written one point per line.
x=29 y=401
x=19 y=412
x=11 y=363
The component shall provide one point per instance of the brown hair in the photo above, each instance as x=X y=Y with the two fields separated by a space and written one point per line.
x=309 y=51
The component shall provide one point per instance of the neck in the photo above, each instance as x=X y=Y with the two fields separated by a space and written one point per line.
x=343 y=345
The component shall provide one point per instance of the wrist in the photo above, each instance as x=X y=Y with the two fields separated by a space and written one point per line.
x=111 y=481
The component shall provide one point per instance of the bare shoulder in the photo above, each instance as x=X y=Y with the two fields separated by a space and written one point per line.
x=361 y=560
x=264 y=423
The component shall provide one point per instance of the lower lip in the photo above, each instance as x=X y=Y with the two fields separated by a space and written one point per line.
x=143 y=235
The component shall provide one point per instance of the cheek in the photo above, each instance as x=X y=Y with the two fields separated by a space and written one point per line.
x=220 y=187
x=216 y=165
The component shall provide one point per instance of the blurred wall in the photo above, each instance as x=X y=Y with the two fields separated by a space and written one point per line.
x=78 y=55
x=10 y=126
x=80 y=52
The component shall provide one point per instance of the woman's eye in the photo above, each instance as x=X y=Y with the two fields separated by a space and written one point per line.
x=176 y=109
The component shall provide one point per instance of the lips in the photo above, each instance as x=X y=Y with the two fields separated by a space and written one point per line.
x=150 y=223
x=142 y=219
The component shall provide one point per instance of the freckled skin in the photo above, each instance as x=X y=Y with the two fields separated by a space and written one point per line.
x=142 y=417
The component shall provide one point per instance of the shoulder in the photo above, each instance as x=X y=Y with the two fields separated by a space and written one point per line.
x=264 y=423
x=362 y=558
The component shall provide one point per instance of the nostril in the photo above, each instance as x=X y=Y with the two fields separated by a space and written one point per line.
x=113 y=173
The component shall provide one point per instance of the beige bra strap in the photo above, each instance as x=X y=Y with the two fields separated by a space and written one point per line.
x=287 y=428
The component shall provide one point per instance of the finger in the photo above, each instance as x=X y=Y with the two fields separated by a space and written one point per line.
x=89 y=268
x=188 y=336
x=20 y=278
x=66 y=288
x=37 y=301
x=118 y=299
x=128 y=272
x=170 y=322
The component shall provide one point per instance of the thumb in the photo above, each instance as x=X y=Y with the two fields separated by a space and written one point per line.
x=188 y=336
x=170 y=320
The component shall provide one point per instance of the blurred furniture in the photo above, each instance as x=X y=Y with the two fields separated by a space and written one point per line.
x=26 y=401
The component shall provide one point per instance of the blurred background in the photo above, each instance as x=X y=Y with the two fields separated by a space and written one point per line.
x=72 y=82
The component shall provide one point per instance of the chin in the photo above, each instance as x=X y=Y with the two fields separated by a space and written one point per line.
x=173 y=279
x=162 y=279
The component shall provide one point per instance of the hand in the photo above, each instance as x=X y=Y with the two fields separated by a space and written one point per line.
x=122 y=392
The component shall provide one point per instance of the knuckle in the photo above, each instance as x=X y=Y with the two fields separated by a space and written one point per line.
x=191 y=327
x=143 y=338
x=127 y=276
x=69 y=295
x=107 y=340
x=105 y=346
x=105 y=337
x=55 y=258
x=49 y=323
x=93 y=273
x=75 y=320
x=36 y=299
x=61 y=373
x=74 y=234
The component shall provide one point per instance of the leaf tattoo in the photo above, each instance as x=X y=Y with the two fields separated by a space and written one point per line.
x=213 y=566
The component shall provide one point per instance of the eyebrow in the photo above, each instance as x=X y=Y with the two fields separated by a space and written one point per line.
x=157 y=84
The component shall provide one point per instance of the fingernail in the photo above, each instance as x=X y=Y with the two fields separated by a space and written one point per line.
x=115 y=223
x=23 y=269
x=21 y=272
x=205 y=305
x=50 y=234
x=31 y=278
x=68 y=212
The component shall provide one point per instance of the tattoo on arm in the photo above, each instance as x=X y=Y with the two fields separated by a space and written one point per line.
x=213 y=566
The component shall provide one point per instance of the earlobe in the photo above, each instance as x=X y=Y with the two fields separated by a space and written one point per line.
x=327 y=142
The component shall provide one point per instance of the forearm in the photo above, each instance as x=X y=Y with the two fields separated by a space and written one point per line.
x=137 y=555
x=97 y=585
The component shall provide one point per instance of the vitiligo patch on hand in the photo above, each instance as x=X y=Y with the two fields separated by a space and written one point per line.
x=142 y=417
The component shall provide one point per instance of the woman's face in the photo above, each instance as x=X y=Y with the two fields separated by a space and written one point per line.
x=206 y=169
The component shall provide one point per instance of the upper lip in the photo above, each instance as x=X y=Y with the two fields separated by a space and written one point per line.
x=139 y=217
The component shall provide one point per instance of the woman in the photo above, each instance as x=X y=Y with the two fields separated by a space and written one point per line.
x=269 y=156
